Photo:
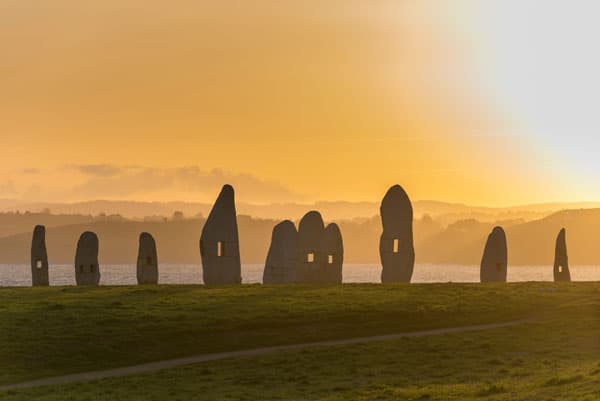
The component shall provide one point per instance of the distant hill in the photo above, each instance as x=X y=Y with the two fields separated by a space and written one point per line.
x=461 y=242
x=445 y=213
x=177 y=241
x=13 y=223
x=530 y=243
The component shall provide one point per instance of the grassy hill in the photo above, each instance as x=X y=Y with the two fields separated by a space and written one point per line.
x=53 y=331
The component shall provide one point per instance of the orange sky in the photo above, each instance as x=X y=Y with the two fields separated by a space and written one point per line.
x=288 y=101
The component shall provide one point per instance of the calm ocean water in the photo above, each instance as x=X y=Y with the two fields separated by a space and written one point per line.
x=20 y=275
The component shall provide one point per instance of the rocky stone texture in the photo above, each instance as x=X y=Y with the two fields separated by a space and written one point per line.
x=87 y=269
x=310 y=235
x=147 y=261
x=39 y=258
x=219 y=243
x=313 y=254
x=396 y=246
x=494 y=264
x=561 y=258
x=331 y=254
x=280 y=267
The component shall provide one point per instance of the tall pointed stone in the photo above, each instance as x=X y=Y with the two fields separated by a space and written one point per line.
x=494 y=264
x=147 y=261
x=396 y=246
x=332 y=255
x=219 y=243
x=39 y=258
x=310 y=234
x=561 y=258
x=87 y=269
x=280 y=267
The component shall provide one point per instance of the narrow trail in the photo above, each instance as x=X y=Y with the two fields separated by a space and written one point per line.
x=173 y=363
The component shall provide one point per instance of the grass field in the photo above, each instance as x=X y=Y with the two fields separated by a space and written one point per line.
x=52 y=331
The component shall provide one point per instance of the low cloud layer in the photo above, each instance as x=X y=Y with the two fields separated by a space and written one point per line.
x=98 y=170
x=7 y=189
x=112 y=181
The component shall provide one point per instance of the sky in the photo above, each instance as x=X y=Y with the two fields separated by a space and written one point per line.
x=488 y=102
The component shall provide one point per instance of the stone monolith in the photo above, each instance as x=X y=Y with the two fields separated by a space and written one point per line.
x=219 y=242
x=310 y=234
x=396 y=247
x=39 y=258
x=280 y=267
x=331 y=255
x=147 y=261
x=561 y=258
x=87 y=269
x=494 y=264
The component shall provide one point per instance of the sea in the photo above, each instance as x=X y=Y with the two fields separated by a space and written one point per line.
x=19 y=275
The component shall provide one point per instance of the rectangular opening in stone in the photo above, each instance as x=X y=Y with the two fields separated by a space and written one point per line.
x=560 y=269
x=220 y=249
x=38 y=264
x=310 y=257
x=330 y=259
x=396 y=245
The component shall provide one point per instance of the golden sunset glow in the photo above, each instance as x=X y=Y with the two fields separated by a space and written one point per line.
x=288 y=101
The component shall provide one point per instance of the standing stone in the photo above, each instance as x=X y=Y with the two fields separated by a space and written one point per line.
x=87 y=269
x=39 y=258
x=494 y=264
x=280 y=267
x=332 y=255
x=310 y=234
x=396 y=247
x=219 y=243
x=561 y=258
x=147 y=261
